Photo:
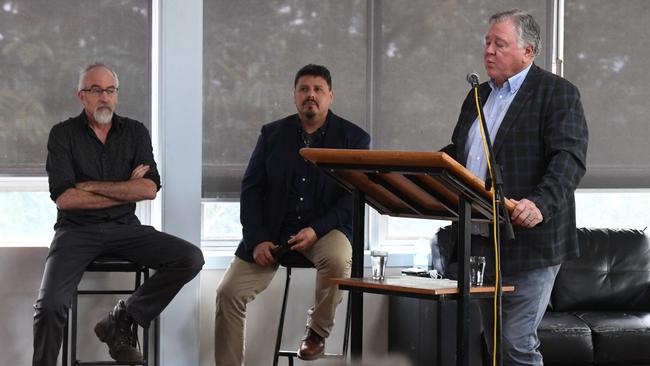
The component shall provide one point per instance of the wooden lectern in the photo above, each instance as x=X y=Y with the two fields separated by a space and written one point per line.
x=409 y=184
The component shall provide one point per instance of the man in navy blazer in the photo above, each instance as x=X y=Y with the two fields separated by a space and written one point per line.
x=288 y=208
x=540 y=136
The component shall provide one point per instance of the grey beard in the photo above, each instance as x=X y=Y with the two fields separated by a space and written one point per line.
x=103 y=115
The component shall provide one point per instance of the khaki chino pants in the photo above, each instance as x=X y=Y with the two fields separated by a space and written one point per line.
x=242 y=281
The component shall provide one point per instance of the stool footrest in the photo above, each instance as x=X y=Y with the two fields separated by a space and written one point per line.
x=105 y=292
x=80 y=363
x=285 y=353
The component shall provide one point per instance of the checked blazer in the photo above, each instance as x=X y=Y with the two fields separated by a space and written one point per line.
x=266 y=182
x=541 y=147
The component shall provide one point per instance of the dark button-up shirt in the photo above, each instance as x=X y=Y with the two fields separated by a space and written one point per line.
x=75 y=154
x=301 y=202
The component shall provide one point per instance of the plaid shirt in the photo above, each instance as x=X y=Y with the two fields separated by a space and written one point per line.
x=541 y=147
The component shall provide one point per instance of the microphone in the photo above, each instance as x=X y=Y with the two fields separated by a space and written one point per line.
x=472 y=79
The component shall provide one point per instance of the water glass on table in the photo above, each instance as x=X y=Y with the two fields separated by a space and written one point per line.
x=477 y=268
x=378 y=259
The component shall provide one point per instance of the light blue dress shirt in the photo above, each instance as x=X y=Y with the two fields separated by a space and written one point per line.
x=495 y=109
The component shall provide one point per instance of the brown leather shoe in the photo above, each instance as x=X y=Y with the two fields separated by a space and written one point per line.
x=312 y=346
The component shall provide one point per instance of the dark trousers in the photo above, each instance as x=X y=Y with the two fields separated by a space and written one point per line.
x=175 y=260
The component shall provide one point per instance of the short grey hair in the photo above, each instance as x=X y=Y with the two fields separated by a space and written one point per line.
x=527 y=28
x=95 y=65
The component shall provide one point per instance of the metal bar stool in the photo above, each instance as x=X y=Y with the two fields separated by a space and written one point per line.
x=106 y=264
x=297 y=260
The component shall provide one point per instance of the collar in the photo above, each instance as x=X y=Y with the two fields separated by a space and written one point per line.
x=513 y=83
x=321 y=130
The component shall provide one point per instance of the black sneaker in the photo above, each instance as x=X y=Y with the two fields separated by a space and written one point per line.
x=116 y=331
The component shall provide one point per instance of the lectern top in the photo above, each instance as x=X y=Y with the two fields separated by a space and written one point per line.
x=407 y=183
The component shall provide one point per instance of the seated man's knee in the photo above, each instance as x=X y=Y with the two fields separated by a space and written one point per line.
x=190 y=260
x=339 y=266
x=338 y=257
x=195 y=259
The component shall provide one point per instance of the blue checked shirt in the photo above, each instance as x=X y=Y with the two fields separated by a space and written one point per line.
x=495 y=109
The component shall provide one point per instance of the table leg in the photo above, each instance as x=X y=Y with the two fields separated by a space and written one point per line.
x=357 y=271
x=464 y=246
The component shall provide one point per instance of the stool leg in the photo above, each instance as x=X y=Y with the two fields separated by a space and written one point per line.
x=278 y=339
x=64 y=353
x=346 y=336
x=73 y=330
x=156 y=341
x=141 y=274
x=145 y=331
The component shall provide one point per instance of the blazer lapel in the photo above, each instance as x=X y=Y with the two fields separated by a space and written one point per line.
x=516 y=106
x=290 y=137
x=472 y=114
x=331 y=140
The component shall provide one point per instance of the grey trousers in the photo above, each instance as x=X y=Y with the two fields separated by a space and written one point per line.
x=176 y=262
x=522 y=312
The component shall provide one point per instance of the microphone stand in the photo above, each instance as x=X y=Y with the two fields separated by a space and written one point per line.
x=497 y=181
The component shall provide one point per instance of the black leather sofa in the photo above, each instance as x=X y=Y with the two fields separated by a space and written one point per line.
x=599 y=313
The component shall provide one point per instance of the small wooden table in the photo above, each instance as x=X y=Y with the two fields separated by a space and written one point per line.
x=421 y=184
x=417 y=287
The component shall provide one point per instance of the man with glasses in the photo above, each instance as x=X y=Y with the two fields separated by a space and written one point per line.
x=99 y=165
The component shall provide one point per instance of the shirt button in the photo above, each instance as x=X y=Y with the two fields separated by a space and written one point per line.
x=301 y=199
x=303 y=179
x=299 y=217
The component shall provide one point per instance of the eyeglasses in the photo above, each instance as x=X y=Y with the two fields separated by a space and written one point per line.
x=97 y=91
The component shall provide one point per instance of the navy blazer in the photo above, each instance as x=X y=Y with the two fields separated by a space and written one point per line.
x=266 y=183
x=541 y=146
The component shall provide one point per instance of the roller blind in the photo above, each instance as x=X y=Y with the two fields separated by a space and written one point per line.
x=44 y=45
x=607 y=47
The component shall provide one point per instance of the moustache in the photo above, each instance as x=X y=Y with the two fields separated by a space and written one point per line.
x=103 y=106
x=310 y=101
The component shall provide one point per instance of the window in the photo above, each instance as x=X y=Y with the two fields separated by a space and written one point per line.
x=401 y=94
x=607 y=60
x=401 y=65
x=44 y=46
x=425 y=50
x=252 y=51
x=597 y=208
x=27 y=213
x=623 y=209
x=220 y=222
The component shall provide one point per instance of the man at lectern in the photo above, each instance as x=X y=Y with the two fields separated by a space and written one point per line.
x=538 y=127
x=289 y=208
